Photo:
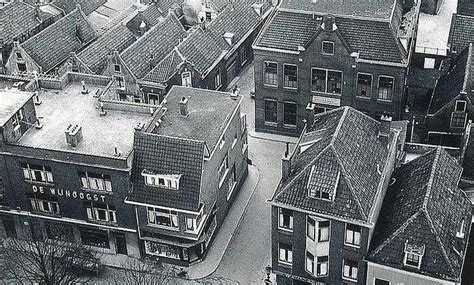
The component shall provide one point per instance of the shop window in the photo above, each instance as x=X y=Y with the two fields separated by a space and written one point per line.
x=94 y=237
x=163 y=250
x=59 y=231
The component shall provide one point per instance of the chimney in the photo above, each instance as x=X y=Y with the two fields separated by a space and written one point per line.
x=152 y=61
x=37 y=13
x=73 y=135
x=286 y=163
x=329 y=23
x=79 y=31
x=229 y=38
x=183 y=107
x=385 y=122
x=310 y=113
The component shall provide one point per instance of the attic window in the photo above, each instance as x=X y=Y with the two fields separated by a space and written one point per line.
x=413 y=255
x=460 y=106
x=117 y=68
x=328 y=48
x=322 y=187
x=161 y=180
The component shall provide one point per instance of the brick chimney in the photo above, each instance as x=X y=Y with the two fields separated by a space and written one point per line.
x=183 y=107
x=329 y=23
x=73 y=135
x=286 y=163
x=79 y=31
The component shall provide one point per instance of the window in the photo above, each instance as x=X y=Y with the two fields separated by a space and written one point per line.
x=270 y=73
x=117 y=68
x=21 y=67
x=270 y=111
x=413 y=255
x=45 y=206
x=163 y=250
x=290 y=73
x=385 y=88
x=350 y=270
x=285 y=219
x=317 y=192
x=101 y=212
x=223 y=169
x=18 y=55
x=378 y=281
x=222 y=143
x=194 y=224
x=328 y=47
x=234 y=142
x=429 y=63
x=460 y=106
x=37 y=173
x=186 y=79
x=232 y=183
x=59 y=231
x=289 y=113
x=327 y=81
x=217 y=80
x=153 y=99
x=285 y=255
x=412 y=259
x=95 y=181
x=94 y=237
x=162 y=218
x=364 y=85
x=208 y=16
x=352 y=235
x=310 y=263
x=322 y=266
x=18 y=117
x=163 y=181
x=311 y=228
x=458 y=119
x=323 y=231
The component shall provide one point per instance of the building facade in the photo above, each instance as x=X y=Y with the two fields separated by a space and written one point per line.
x=327 y=61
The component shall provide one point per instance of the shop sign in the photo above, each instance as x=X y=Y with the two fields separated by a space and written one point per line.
x=327 y=101
x=69 y=194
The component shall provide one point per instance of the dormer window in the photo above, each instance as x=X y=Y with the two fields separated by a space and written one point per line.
x=413 y=255
x=328 y=47
x=117 y=68
x=460 y=106
x=326 y=189
x=459 y=116
x=170 y=181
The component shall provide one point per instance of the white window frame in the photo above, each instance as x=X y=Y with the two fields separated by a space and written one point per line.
x=173 y=217
x=451 y=120
x=327 y=81
x=29 y=174
x=319 y=266
x=322 y=47
x=456 y=105
x=353 y=236
x=37 y=205
x=288 y=254
x=103 y=184
x=224 y=169
x=310 y=264
x=281 y=219
x=162 y=181
x=195 y=227
x=284 y=68
x=351 y=271
x=93 y=213
x=186 y=79
x=328 y=231
x=264 y=73
x=371 y=85
x=392 y=90
x=308 y=224
x=405 y=258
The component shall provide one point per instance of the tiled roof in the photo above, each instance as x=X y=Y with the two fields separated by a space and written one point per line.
x=359 y=8
x=88 y=6
x=166 y=68
x=209 y=113
x=157 y=42
x=19 y=18
x=117 y=39
x=424 y=207
x=373 y=40
x=54 y=44
x=458 y=79
x=348 y=156
x=166 y=155
x=466 y=7
x=152 y=14
x=461 y=33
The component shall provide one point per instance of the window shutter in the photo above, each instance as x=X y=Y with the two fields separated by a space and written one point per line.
x=89 y=213
x=26 y=173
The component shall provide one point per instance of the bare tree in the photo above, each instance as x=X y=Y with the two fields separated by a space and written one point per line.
x=36 y=258
x=137 y=272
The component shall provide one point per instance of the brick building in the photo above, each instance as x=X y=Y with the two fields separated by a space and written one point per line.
x=62 y=163
x=188 y=166
x=315 y=56
x=422 y=233
x=327 y=203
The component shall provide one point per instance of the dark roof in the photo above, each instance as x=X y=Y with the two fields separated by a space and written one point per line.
x=347 y=155
x=166 y=68
x=458 y=79
x=116 y=39
x=461 y=33
x=373 y=40
x=359 y=8
x=157 y=42
x=424 y=207
x=209 y=113
x=87 y=6
x=465 y=7
x=18 y=18
x=168 y=156
x=53 y=45
x=152 y=14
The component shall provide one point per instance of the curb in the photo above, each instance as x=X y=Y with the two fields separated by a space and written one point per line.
x=233 y=233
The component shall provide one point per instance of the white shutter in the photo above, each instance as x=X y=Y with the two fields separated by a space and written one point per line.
x=26 y=173
x=33 y=204
x=151 y=216
x=89 y=213
x=49 y=176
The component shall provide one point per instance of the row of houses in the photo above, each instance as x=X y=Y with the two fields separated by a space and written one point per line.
x=355 y=207
x=119 y=177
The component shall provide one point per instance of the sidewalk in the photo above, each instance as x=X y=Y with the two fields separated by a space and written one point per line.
x=218 y=248
x=271 y=137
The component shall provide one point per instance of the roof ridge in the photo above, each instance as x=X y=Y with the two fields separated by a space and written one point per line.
x=339 y=124
x=349 y=183
x=395 y=233
x=468 y=68
x=432 y=176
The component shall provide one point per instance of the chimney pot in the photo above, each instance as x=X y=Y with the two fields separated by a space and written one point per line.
x=183 y=107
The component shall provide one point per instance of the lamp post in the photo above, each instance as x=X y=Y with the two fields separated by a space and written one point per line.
x=268 y=270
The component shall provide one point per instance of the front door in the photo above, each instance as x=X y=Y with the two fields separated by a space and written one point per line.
x=120 y=243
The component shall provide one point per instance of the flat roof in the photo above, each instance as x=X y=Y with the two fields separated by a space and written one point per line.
x=10 y=102
x=380 y=9
x=433 y=30
x=209 y=112
x=61 y=108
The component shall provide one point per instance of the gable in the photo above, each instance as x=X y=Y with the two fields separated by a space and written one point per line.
x=315 y=44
